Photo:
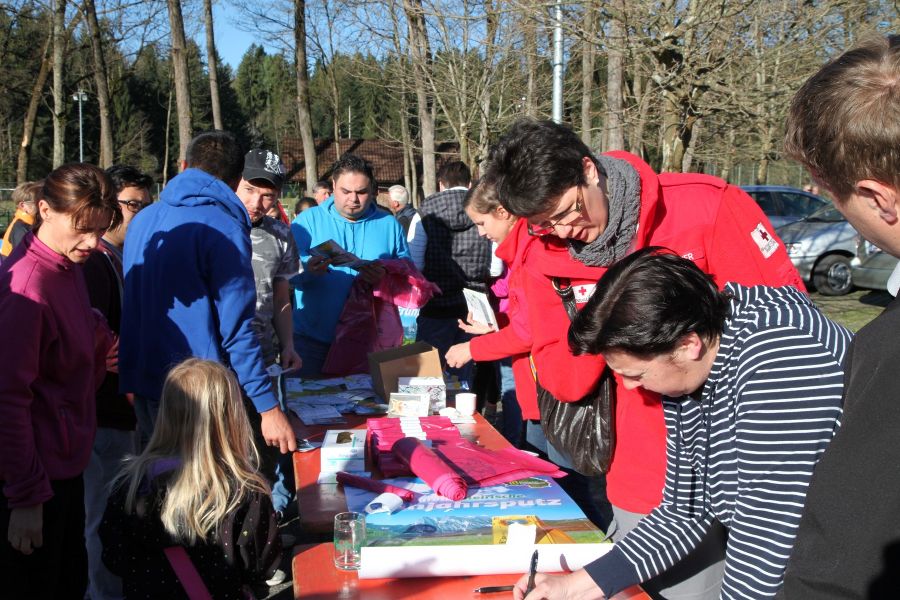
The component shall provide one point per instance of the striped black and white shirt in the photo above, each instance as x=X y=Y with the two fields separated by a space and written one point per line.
x=744 y=453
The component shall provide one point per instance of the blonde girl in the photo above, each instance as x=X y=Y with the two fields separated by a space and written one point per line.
x=195 y=486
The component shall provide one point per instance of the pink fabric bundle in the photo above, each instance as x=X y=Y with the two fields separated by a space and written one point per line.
x=385 y=431
x=373 y=485
x=482 y=467
x=431 y=468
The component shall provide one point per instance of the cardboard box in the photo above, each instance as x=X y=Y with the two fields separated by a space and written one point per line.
x=414 y=360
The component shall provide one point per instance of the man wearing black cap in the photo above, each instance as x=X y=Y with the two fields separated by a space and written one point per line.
x=274 y=261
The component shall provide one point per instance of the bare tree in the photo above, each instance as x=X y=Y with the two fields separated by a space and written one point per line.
x=615 y=74
x=182 y=77
x=37 y=91
x=303 y=111
x=212 y=65
x=100 y=80
x=421 y=59
x=60 y=40
x=588 y=54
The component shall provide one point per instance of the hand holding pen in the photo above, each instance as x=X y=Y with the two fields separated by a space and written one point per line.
x=571 y=586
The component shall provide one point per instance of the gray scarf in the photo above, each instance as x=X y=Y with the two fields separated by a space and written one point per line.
x=623 y=185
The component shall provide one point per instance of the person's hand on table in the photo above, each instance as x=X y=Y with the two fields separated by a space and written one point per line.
x=475 y=327
x=290 y=360
x=277 y=431
x=26 y=526
x=317 y=265
x=577 y=585
x=372 y=273
x=458 y=355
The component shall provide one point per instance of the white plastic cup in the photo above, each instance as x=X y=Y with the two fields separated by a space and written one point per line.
x=349 y=534
x=465 y=403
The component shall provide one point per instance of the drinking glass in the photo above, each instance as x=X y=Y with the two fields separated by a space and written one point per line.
x=349 y=534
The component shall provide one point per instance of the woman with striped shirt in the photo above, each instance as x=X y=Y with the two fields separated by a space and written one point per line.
x=751 y=381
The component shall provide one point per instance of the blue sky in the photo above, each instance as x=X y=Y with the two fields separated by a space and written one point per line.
x=231 y=42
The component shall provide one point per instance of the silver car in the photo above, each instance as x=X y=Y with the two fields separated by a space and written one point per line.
x=821 y=246
x=871 y=267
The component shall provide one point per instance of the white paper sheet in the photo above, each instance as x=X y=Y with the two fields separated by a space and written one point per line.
x=453 y=561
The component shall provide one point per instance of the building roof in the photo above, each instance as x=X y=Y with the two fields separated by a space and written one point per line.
x=386 y=157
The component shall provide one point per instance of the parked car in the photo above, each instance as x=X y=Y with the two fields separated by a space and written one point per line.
x=821 y=246
x=784 y=204
x=871 y=267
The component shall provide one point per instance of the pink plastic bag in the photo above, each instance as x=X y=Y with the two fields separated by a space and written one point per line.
x=370 y=320
x=404 y=285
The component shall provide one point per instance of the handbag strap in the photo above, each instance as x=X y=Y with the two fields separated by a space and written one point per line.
x=187 y=573
x=563 y=288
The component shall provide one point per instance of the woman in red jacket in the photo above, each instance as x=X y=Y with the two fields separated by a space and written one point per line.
x=53 y=361
x=588 y=211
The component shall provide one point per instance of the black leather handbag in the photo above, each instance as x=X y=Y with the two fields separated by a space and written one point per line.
x=583 y=430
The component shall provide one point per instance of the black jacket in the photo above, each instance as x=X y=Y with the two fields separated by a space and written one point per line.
x=848 y=542
x=456 y=257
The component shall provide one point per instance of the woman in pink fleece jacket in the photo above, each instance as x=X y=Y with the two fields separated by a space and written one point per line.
x=53 y=359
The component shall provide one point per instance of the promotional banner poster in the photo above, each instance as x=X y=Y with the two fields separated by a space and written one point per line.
x=534 y=510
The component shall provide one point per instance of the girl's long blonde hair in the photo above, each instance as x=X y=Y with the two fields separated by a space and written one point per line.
x=203 y=424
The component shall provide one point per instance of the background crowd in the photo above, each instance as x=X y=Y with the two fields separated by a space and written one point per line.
x=143 y=433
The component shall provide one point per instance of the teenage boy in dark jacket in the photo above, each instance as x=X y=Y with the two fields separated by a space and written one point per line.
x=844 y=127
x=456 y=257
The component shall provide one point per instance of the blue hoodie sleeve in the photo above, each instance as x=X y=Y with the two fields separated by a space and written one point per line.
x=234 y=295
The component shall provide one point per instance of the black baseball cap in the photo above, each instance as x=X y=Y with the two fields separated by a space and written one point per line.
x=263 y=164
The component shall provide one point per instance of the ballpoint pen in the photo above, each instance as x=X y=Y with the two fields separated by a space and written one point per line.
x=494 y=588
x=532 y=571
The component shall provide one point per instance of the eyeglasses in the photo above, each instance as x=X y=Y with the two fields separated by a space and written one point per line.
x=547 y=227
x=134 y=205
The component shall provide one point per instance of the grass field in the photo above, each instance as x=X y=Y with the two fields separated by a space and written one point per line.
x=854 y=310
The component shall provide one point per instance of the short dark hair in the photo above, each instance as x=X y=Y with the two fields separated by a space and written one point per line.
x=304 y=203
x=123 y=176
x=844 y=123
x=218 y=153
x=534 y=163
x=646 y=303
x=323 y=184
x=351 y=163
x=454 y=174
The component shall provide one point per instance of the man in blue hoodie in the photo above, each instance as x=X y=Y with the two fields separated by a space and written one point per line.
x=352 y=219
x=189 y=287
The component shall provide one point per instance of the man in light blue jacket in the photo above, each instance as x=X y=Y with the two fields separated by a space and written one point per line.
x=352 y=219
x=189 y=287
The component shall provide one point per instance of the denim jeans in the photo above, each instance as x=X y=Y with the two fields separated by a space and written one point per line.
x=512 y=412
x=110 y=447
x=313 y=353
x=283 y=486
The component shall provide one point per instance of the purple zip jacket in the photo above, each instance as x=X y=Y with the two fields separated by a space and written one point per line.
x=52 y=356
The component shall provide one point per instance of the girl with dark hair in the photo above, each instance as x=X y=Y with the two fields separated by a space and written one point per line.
x=751 y=383
x=53 y=361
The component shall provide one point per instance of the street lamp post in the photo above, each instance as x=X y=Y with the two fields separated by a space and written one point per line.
x=80 y=96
